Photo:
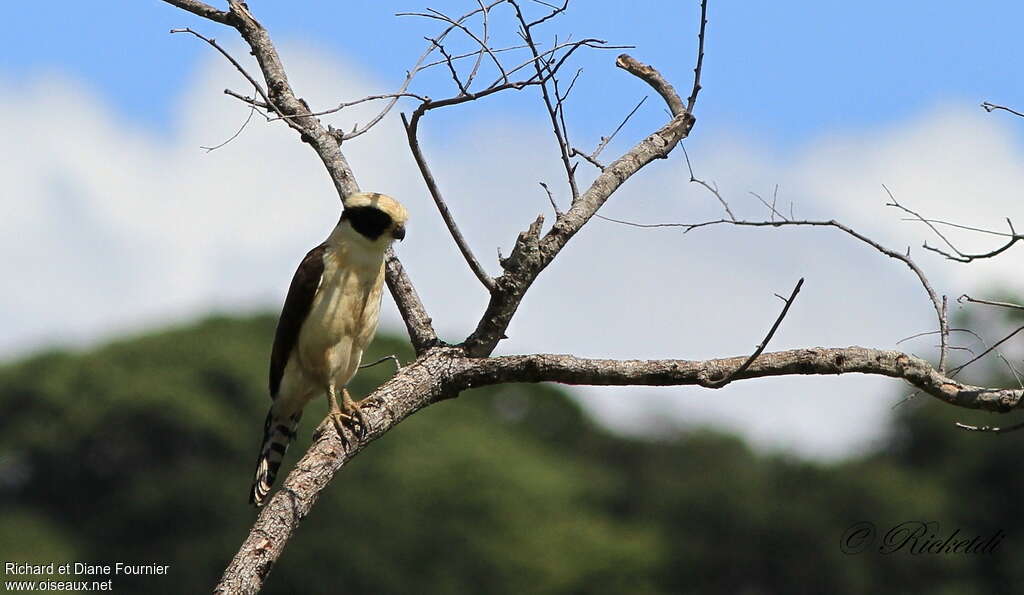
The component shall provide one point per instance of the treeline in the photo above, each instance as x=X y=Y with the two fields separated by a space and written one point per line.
x=141 y=452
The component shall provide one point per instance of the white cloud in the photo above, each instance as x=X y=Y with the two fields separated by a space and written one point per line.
x=107 y=229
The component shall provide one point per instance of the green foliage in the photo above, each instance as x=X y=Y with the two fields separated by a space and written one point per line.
x=142 y=451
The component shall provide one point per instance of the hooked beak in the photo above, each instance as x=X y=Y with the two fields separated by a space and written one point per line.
x=399 y=233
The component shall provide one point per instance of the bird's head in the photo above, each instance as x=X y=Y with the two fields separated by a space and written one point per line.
x=377 y=217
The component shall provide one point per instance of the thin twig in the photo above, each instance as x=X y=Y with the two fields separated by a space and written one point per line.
x=957 y=369
x=248 y=118
x=252 y=101
x=442 y=207
x=991 y=107
x=256 y=85
x=771 y=205
x=470 y=54
x=959 y=256
x=700 y=57
x=451 y=67
x=905 y=258
x=555 y=12
x=484 y=48
x=990 y=429
x=410 y=74
x=596 y=44
x=952 y=330
x=392 y=357
x=967 y=298
x=607 y=139
x=563 y=146
x=761 y=346
x=712 y=190
x=551 y=198
x=346 y=104
x=967 y=227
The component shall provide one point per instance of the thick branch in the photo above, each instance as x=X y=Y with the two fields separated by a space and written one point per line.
x=533 y=253
x=291 y=106
x=425 y=381
x=443 y=372
x=280 y=95
x=568 y=369
x=204 y=10
x=937 y=302
x=653 y=78
x=419 y=325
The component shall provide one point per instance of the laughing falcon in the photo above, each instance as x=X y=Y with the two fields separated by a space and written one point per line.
x=328 y=319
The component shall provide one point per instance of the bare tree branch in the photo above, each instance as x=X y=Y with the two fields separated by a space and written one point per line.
x=541 y=67
x=700 y=57
x=569 y=369
x=442 y=207
x=248 y=118
x=442 y=371
x=252 y=101
x=532 y=253
x=990 y=429
x=592 y=158
x=761 y=346
x=958 y=255
x=551 y=198
x=204 y=10
x=280 y=96
x=345 y=104
x=657 y=82
x=419 y=325
x=967 y=298
x=991 y=107
x=957 y=369
x=259 y=88
x=712 y=190
x=937 y=303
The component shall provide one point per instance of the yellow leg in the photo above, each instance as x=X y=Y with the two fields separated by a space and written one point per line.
x=348 y=414
x=354 y=412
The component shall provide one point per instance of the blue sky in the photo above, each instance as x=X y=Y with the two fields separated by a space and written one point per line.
x=782 y=71
x=103 y=113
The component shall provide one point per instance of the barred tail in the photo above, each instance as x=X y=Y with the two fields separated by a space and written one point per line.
x=277 y=434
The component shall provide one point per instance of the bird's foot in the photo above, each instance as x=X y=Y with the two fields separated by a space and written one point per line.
x=354 y=412
x=347 y=416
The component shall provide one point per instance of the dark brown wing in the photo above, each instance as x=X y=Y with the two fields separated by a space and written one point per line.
x=296 y=308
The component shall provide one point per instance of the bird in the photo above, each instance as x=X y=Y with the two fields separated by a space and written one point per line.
x=329 y=318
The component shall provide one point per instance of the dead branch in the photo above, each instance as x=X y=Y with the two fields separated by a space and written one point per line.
x=248 y=118
x=280 y=96
x=592 y=158
x=957 y=369
x=761 y=346
x=709 y=187
x=532 y=253
x=991 y=107
x=700 y=57
x=937 y=303
x=967 y=298
x=569 y=369
x=442 y=207
x=542 y=67
x=441 y=371
x=990 y=429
